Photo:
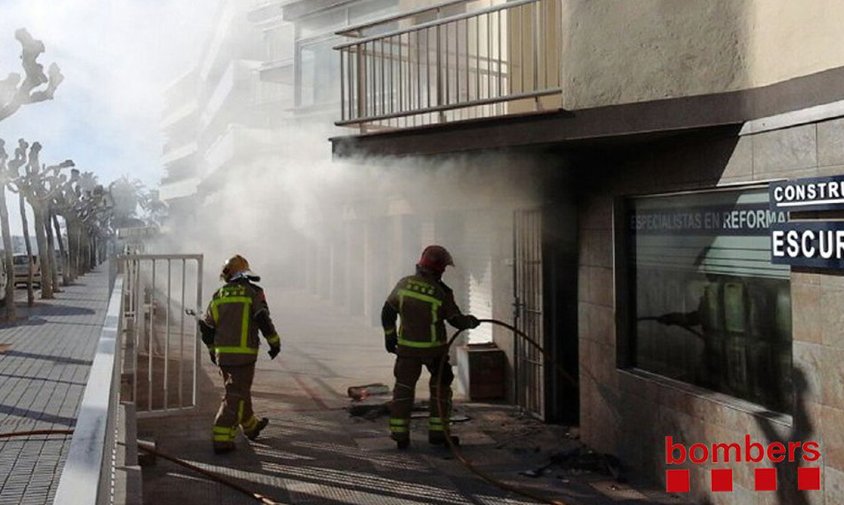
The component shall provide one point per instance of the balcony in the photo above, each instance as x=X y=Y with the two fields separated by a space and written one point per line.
x=171 y=156
x=229 y=91
x=497 y=61
x=185 y=111
x=238 y=144
x=177 y=189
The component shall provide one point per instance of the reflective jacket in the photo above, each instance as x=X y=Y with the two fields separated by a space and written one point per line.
x=424 y=303
x=230 y=326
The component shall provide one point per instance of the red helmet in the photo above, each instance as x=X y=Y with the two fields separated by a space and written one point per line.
x=435 y=258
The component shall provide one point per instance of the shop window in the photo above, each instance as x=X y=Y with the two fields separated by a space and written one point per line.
x=706 y=306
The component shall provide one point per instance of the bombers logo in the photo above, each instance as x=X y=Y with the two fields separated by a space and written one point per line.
x=765 y=477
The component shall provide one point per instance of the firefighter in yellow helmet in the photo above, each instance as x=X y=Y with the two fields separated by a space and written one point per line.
x=423 y=302
x=230 y=331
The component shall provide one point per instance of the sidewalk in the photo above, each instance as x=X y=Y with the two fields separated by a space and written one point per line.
x=42 y=377
x=313 y=452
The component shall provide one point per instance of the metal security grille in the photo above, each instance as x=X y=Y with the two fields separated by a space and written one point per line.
x=527 y=277
x=161 y=344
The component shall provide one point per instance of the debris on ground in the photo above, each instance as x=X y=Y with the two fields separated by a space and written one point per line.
x=579 y=461
x=5 y=347
x=358 y=393
x=369 y=410
x=372 y=408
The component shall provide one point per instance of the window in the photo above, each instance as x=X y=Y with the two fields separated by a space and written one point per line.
x=318 y=73
x=279 y=43
x=707 y=307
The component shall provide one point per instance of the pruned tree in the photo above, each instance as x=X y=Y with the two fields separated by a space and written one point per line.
x=34 y=86
x=11 y=314
x=13 y=175
x=38 y=184
x=15 y=91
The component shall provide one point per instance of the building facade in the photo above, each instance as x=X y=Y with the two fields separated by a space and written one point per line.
x=634 y=241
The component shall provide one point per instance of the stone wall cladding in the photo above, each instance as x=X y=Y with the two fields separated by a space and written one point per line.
x=627 y=414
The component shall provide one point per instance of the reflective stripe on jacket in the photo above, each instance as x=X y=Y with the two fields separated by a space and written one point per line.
x=236 y=312
x=424 y=304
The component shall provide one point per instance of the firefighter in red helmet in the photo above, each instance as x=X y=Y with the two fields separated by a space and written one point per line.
x=230 y=331
x=423 y=302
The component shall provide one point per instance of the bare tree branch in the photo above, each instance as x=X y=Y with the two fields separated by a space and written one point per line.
x=16 y=92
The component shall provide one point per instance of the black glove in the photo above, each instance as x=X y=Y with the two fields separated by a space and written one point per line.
x=472 y=321
x=390 y=343
x=213 y=356
x=274 y=350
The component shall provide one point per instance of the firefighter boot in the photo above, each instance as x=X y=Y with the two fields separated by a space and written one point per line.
x=402 y=440
x=254 y=432
x=438 y=438
x=223 y=447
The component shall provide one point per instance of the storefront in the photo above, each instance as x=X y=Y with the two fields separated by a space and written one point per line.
x=719 y=313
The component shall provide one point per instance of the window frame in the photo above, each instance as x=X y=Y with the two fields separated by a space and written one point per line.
x=625 y=294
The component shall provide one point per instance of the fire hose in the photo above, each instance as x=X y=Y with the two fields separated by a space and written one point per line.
x=440 y=405
x=451 y=445
x=211 y=475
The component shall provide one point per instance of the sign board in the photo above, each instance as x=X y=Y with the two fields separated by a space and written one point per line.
x=808 y=244
x=812 y=194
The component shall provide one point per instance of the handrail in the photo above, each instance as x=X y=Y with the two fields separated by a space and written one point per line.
x=436 y=22
x=350 y=30
x=87 y=477
x=497 y=61
x=441 y=108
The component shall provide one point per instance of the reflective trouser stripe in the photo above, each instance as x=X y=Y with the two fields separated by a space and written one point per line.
x=435 y=424
x=250 y=424
x=223 y=434
x=399 y=425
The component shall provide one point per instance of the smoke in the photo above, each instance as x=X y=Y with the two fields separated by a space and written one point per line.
x=305 y=221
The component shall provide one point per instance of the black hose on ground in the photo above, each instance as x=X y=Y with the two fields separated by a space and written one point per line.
x=211 y=475
x=446 y=425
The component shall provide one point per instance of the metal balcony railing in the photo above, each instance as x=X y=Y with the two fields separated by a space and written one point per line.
x=496 y=61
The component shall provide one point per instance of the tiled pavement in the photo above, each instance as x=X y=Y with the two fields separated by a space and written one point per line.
x=314 y=453
x=42 y=378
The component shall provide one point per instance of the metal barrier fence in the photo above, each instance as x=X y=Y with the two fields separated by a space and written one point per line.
x=162 y=341
x=93 y=447
x=460 y=67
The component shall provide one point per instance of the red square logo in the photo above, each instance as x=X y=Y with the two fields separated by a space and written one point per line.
x=809 y=479
x=676 y=481
x=722 y=479
x=766 y=479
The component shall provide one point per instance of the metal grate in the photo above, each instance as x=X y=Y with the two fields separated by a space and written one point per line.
x=162 y=348
x=527 y=283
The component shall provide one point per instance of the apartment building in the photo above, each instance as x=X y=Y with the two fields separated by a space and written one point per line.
x=633 y=235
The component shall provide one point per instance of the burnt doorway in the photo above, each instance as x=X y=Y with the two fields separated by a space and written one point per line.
x=545 y=284
x=528 y=362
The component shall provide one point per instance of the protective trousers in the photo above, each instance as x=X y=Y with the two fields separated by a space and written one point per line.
x=236 y=407
x=407 y=371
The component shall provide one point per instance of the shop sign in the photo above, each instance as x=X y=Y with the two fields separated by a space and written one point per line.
x=812 y=194
x=742 y=219
x=808 y=244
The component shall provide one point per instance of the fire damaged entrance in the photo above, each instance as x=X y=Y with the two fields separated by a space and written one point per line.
x=545 y=308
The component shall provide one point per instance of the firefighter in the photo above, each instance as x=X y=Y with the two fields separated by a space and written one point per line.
x=423 y=302
x=230 y=331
